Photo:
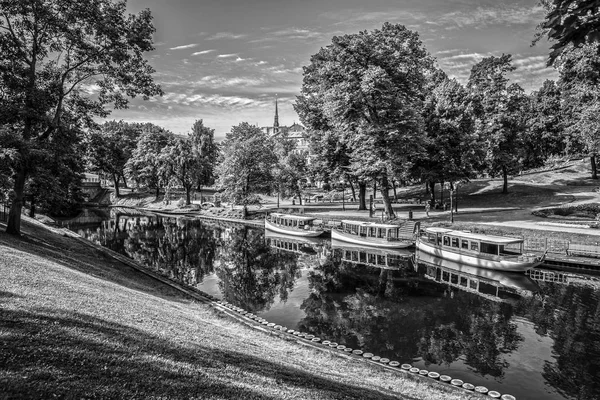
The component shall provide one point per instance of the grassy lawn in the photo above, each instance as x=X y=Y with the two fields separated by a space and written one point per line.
x=75 y=323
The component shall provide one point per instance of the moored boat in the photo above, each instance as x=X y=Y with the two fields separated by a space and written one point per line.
x=296 y=225
x=485 y=251
x=386 y=236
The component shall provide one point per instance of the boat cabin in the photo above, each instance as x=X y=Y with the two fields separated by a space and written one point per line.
x=473 y=243
x=374 y=257
x=292 y=221
x=376 y=231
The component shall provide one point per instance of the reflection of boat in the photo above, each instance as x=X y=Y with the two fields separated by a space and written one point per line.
x=493 y=284
x=296 y=244
x=385 y=236
x=486 y=251
x=297 y=225
x=380 y=258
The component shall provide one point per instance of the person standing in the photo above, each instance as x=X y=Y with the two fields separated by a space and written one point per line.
x=427 y=207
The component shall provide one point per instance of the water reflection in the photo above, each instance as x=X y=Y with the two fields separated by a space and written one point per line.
x=534 y=337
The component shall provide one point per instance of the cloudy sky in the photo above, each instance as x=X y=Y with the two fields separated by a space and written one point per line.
x=224 y=61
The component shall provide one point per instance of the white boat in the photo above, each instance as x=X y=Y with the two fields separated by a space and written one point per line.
x=485 y=251
x=372 y=256
x=295 y=244
x=296 y=225
x=385 y=236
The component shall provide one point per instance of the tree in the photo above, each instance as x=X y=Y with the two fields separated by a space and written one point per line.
x=580 y=86
x=546 y=135
x=291 y=169
x=146 y=166
x=205 y=148
x=569 y=22
x=53 y=55
x=453 y=151
x=246 y=164
x=109 y=148
x=499 y=116
x=368 y=87
x=183 y=163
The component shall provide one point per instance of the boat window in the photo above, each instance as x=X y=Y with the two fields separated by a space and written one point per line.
x=454 y=242
x=363 y=231
x=381 y=260
x=393 y=233
x=465 y=244
x=372 y=232
x=431 y=237
x=473 y=284
x=445 y=276
x=446 y=240
x=454 y=278
x=355 y=256
x=371 y=259
x=489 y=248
x=381 y=233
x=475 y=246
x=393 y=261
x=463 y=281
x=362 y=257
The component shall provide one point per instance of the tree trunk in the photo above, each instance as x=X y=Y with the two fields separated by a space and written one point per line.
x=157 y=191
x=116 y=179
x=432 y=192
x=505 y=178
x=124 y=181
x=362 y=196
x=13 y=226
x=594 y=169
x=394 y=188
x=299 y=197
x=385 y=189
x=353 y=191
x=188 y=190
x=442 y=193
x=427 y=183
x=374 y=188
x=32 y=208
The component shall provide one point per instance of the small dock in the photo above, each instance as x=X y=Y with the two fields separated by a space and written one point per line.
x=572 y=263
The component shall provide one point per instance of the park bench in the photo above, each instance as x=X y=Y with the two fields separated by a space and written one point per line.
x=586 y=250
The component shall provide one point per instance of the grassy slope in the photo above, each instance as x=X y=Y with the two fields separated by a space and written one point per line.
x=75 y=323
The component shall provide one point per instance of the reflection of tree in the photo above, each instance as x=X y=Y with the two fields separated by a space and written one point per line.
x=397 y=314
x=571 y=315
x=251 y=274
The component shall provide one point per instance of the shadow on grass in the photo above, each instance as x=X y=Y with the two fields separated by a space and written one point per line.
x=69 y=355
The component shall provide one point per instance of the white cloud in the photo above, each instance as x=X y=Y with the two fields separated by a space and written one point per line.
x=498 y=15
x=203 y=52
x=227 y=55
x=185 y=46
x=226 y=35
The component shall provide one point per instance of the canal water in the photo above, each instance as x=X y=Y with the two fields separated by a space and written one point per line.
x=535 y=337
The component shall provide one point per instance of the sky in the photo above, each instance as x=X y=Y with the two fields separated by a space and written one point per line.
x=225 y=61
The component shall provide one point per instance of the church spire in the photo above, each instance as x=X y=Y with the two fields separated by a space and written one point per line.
x=276 y=121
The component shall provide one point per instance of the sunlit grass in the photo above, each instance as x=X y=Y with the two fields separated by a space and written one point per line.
x=75 y=323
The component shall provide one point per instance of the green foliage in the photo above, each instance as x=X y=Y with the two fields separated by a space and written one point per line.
x=366 y=90
x=569 y=22
x=52 y=54
x=146 y=167
x=246 y=164
x=205 y=148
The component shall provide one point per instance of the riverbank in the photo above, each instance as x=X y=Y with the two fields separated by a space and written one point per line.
x=76 y=323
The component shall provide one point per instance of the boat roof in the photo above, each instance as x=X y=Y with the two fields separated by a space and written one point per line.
x=475 y=236
x=291 y=216
x=369 y=224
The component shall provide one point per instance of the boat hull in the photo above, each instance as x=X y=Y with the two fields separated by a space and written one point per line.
x=472 y=260
x=291 y=231
x=370 y=242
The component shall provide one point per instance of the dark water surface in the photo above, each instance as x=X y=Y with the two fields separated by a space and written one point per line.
x=534 y=337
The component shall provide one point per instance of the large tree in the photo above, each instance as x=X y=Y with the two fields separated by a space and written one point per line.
x=368 y=88
x=569 y=22
x=246 y=166
x=109 y=147
x=499 y=117
x=63 y=62
x=580 y=87
x=146 y=167
x=205 y=148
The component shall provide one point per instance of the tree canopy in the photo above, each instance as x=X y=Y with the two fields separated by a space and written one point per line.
x=61 y=64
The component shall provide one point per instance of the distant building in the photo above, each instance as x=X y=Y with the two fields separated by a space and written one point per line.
x=294 y=132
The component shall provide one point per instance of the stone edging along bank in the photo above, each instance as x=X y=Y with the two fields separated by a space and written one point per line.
x=284 y=333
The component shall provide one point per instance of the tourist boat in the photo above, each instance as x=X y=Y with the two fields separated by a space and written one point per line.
x=372 y=256
x=478 y=250
x=385 y=236
x=489 y=283
x=296 y=225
